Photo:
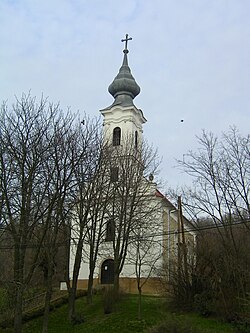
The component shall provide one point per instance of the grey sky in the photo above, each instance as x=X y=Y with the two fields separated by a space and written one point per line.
x=191 y=59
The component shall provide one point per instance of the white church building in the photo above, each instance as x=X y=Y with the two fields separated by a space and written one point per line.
x=163 y=232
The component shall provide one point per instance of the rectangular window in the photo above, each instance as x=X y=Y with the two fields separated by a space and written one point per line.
x=110 y=231
x=136 y=139
x=114 y=174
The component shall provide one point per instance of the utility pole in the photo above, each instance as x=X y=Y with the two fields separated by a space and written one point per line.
x=179 y=248
x=182 y=248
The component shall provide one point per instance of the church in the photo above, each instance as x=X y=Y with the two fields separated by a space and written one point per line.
x=142 y=232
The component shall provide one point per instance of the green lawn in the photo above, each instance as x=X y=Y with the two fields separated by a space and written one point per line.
x=122 y=320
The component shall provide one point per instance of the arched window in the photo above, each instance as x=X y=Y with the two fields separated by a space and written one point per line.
x=107 y=272
x=136 y=139
x=110 y=230
x=117 y=136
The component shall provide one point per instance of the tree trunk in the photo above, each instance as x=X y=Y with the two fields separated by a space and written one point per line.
x=73 y=288
x=90 y=287
x=47 y=300
x=116 y=283
x=72 y=299
x=18 y=309
x=139 y=303
x=18 y=280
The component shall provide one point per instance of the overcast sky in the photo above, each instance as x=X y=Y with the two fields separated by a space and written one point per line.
x=191 y=59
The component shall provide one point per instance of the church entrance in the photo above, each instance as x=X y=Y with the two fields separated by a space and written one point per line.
x=107 y=272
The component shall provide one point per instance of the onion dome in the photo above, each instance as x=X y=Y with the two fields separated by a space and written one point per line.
x=124 y=87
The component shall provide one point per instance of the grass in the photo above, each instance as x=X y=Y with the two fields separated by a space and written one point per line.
x=122 y=320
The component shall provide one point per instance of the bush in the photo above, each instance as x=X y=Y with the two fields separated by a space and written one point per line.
x=242 y=327
x=204 y=303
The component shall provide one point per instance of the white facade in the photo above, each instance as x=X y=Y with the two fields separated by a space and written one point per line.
x=129 y=119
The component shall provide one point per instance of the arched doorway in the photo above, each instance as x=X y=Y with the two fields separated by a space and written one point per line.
x=107 y=272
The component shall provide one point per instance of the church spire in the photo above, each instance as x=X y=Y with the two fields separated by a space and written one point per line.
x=124 y=87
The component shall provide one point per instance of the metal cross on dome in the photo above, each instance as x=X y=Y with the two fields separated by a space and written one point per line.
x=126 y=39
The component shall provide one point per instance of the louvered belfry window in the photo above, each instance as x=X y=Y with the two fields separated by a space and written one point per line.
x=117 y=136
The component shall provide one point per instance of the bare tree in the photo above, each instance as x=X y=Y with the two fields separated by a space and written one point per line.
x=60 y=169
x=28 y=200
x=129 y=190
x=221 y=177
x=146 y=248
x=115 y=193
x=220 y=194
x=87 y=154
x=97 y=222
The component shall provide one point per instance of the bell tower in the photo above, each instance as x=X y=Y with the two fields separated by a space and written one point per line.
x=122 y=119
